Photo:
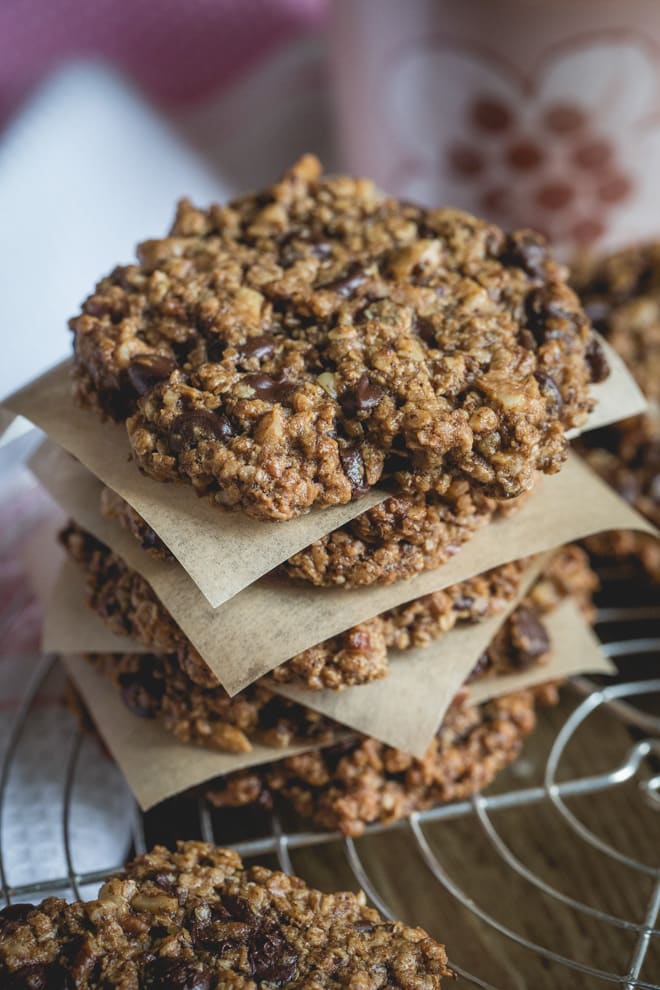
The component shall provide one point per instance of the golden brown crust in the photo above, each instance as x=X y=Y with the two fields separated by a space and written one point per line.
x=360 y=782
x=127 y=603
x=156 y=686
x=392 y=541
x=197 y=919
x=300 y=345
x=622 y=293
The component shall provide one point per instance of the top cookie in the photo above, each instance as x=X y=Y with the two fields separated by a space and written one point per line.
x=301 y=344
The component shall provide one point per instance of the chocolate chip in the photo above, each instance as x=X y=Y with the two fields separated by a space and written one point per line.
x=546 y=317
x=175 y=974
x=365 y=926
x=271 y=958
x=346 y=284
x=527 y=250
x=163 y=879
x=148 y=370
x=190 y=428
x=40 y=976
x=528 y=636
x=268 y=388
x=353 y=465
x=138 y=700
x=143 y=689
x=15 y=912
x=321 y=249
x=463 y=604
x=257 y=347
x=363 y=398
x=424 y=329
x=151 y=541
x=550 y=390
x=596 y=361
x=238 y=908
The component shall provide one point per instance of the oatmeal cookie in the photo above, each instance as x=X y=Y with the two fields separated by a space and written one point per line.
x=629 y=461
x=129 y=606
x=622 y=294
x=155 y=686
x=299 y=345
x=197 y=919
x=362 y=781
x=393 y=541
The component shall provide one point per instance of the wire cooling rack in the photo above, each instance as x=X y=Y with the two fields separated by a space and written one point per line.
x=632 y=707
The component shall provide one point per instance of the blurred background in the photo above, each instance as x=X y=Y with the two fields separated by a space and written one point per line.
x=525 y=112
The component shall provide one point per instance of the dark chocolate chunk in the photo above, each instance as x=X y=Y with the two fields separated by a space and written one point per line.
x=40 y=976
x=550 y=390
x=345 y=285
x=353 y=465
x=529 y=637
x=148 y=370
x=268 y=388
x=257 y=347
x=15 y=912
x=175 y=974
x=527 y=250
x=271 y=958
x=190 y=428
x=596 y=361
x=363 y=398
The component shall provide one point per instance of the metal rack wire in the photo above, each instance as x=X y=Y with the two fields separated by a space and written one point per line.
x=619 y=701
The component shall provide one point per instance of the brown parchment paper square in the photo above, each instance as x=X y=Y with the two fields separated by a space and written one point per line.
x=68 y=624
x=224 y=552
x=273 y=620
x=421 y=681
x=575 y=650
x=157 y=766
x=405 y=709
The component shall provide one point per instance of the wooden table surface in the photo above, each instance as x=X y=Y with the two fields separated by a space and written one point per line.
x=539 y=838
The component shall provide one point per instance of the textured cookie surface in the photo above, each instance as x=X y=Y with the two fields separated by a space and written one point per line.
x=301 y=344
x=393 y=541
x=359 y=782
x=629 y=460
x=621 y=291
x=127 y=603
x=156 y=686
x=196 y=919
x=621 y=294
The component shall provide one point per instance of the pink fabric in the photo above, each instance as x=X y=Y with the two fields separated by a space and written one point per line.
x=20 y=613
x=176 y=50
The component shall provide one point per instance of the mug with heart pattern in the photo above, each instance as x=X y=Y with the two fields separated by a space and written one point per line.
x=541 y=113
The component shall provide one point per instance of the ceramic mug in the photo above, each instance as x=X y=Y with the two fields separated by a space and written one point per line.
x=542 y=114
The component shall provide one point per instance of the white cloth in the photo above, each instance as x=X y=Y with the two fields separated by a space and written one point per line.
x=86 y=171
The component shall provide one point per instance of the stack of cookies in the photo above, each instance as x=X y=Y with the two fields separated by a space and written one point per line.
x=321 y=352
